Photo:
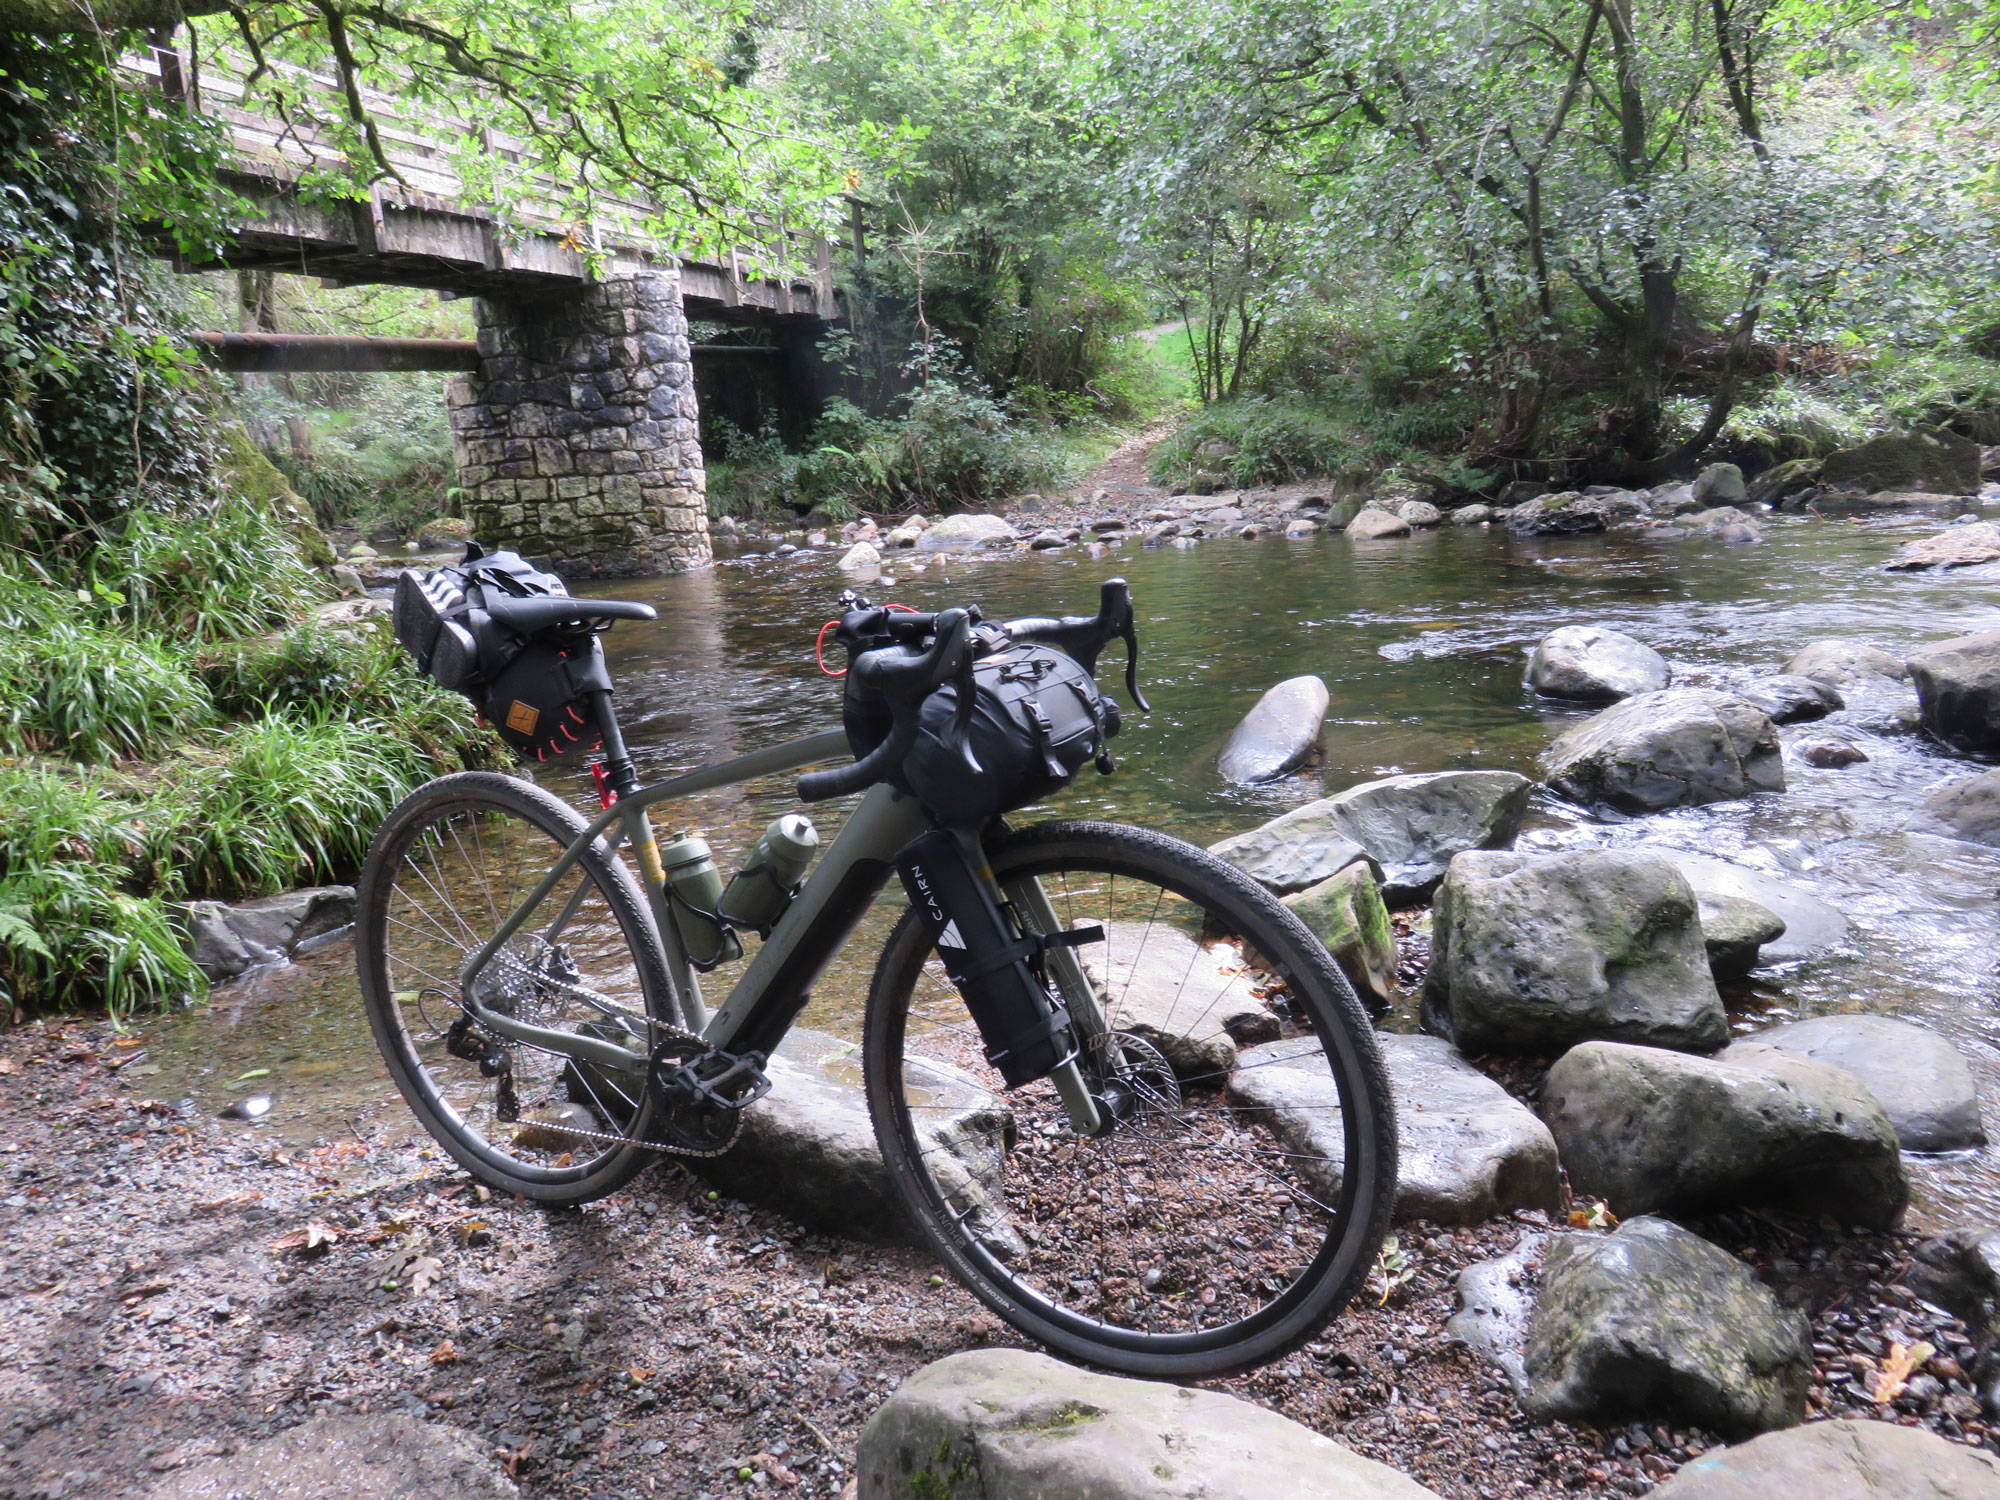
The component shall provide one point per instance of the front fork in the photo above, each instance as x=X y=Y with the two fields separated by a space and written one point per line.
x=1086 y=1015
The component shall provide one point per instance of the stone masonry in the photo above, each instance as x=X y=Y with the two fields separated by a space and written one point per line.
x=576 y=440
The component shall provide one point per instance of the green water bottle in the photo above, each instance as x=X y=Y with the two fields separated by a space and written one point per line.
x=762 y=889
x=694 y=895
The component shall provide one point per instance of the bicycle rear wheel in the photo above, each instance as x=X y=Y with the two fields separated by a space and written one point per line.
x=1240 y=1196
x=450 y=864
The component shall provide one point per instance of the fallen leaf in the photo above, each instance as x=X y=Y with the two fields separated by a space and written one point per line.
x=446 y=1354
x=1897 y=1367
x=1594 y=1213
x=424 y=1270
x=771 y=1466
x=253 y=1073
x=311 y=1240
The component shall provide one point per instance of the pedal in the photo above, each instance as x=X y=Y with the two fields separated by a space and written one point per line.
x=714 y=1079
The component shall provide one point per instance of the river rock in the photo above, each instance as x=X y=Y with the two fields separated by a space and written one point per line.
x=1968 y=808
x=226 y=940
x=905 y=535
x=1564 y=514
x=1884 y=502
x=1682 y=746
x=1188 y=999
x=1300 y=526
x=1720 y=515
x=1593 y=663
x=1007 y=1424
x=1410 y=826
x=1940 y=463
x=1841 y=663
x=1047 y=541
x=967 y=533
x=1419 y=513
x=1955 y=547
x=1676 y=500
x=1531 y=953
x=348 y=580
x=1647 y=1129
x=1280 y=732
x=1788 y=698
x=1958 y=691
x=381 y=1456
x=1372 y=523
x=1347 y=914
x=1494 y=1310
x=860 y=558
x=1655 y=1323
x=1733 y=930
x=1918 y=1077
x=808 y=1147
x=1476 y=514
x=1852 y=1459
x=1720 y=484
x=1780 y=482
x=1811 y=926
x=1830 y=754
x=1466 y=1149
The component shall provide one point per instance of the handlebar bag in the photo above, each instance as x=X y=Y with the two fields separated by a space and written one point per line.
x=530 y=689
x=1037 y=717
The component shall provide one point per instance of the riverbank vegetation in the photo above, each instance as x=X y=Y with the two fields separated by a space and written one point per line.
x=1460 y=245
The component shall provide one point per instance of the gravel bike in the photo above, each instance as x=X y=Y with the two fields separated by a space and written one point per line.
x=1179 y=1162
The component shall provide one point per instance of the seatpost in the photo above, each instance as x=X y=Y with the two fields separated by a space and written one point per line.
x=619 y=773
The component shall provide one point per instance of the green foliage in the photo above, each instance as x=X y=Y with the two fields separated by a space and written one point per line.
x=1255 y=440
x=71 y=933
x=207 y=572
x=280 y=802
x=92 y=694
x=380 y=462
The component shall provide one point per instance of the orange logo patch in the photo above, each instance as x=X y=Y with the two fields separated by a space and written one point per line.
x=523 y=717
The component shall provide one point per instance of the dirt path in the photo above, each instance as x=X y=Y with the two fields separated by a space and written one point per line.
x=177 y=1287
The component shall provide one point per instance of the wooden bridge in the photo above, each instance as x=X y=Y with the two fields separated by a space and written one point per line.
x=431 y=230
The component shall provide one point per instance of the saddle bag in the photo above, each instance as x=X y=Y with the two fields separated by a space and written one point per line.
x=1037 y=718
x=532 y=690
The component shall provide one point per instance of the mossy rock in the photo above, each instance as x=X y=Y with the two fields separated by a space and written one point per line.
x=243 y=468
x=444 y=531
x=1347 y=913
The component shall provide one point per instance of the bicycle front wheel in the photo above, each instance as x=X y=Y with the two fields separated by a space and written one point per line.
x=1243 y=1187
x=452 y=862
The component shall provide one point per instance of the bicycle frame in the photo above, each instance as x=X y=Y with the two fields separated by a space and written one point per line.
x=776 y=983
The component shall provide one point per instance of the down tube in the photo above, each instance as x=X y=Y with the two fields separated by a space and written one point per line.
x=773 y=989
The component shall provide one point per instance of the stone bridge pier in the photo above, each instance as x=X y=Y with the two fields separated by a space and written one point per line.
x=576 y=439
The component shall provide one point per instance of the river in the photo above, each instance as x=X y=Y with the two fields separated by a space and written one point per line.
x=1422 y=643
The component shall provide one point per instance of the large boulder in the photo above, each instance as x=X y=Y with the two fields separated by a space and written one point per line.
x=1841 y=663
x=1419 y=513
x=1780 y=482
x=808 y=1147
x=1938 y=463
x=1189 y=999
x=1466 y=1149
x=380 y=1456
x=1475 y=514
x=1852 y=1459
x=1734 y=931
x=1967 y=808
x=1564 y=514
x=1346 y=912
x=1371 y=523
x=1593 y=663
x=1788 y=698
x=1410 y=826
x=1532 y=953
x=1958 y=691
x=1279 y=732
x=1495 y=1304
x=1720 y=484
x=1647 y=1129
x=965 y=534
x=226 y=940
x=1668 y=749
x=1656 y=1323
x=1919 y=1078
x=1004 y=1424
x=1954 y=547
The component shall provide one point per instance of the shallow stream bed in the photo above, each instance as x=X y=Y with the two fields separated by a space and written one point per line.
x=1422 y=643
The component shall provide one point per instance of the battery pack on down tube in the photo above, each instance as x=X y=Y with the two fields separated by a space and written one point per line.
x=1022 y=1020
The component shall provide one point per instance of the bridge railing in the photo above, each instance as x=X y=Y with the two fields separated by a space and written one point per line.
x=433 y=227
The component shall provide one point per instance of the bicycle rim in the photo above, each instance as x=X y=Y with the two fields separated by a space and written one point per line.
x=1215 y=1226
x=452 y=863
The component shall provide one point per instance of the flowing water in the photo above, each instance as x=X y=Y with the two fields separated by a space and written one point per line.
x=1422 y=644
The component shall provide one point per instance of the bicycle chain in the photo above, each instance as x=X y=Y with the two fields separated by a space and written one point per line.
x=658 y=1032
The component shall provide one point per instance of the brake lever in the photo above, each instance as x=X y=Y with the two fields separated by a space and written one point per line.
x=1131 y=637
x=954 y=737
x=1115 y=608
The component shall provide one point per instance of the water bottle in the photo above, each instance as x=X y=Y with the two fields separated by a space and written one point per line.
x=694 y=894
x=762 y=889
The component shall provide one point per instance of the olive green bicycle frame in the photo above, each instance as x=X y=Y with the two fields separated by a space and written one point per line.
x=775 y=985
